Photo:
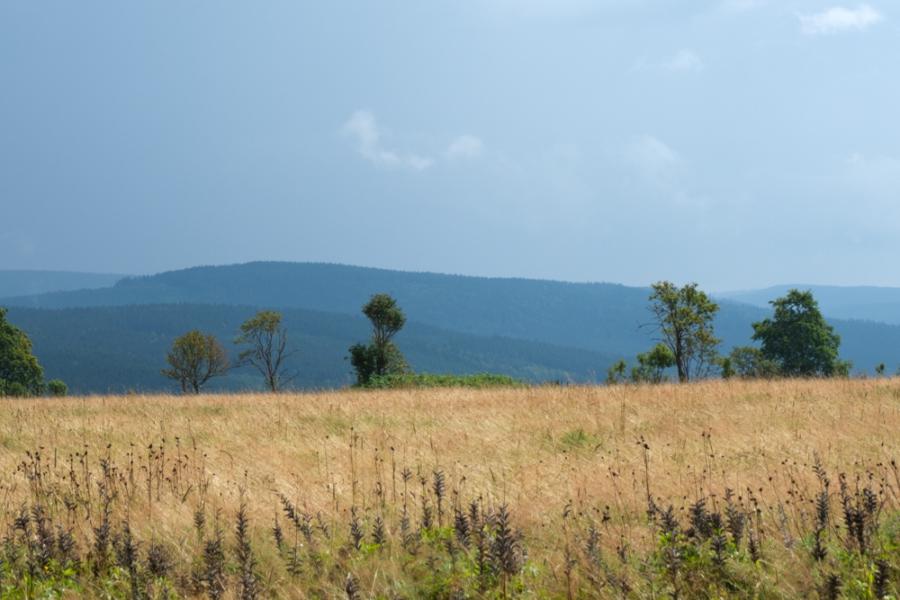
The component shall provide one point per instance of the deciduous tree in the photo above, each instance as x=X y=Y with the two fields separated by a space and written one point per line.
x=748 y=362
x=57 y=387
x=684 y=322
x=652 y=365
x=381 y=356
x=268 y=347
x=616 y=372
x=798 y=339
x=20 y=372
x=194 y=359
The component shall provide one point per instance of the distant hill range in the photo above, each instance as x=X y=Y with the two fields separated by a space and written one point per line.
x=26 y=283
x=865 y=303
x=534 y=329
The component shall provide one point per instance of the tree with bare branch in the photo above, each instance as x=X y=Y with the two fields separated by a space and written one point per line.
x=268 y=348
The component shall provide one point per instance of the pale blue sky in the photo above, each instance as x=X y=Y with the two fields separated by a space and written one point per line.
x=738 y=143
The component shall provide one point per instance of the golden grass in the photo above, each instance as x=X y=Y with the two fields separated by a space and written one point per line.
x=535 y=449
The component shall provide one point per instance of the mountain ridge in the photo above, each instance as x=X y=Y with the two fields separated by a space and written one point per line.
x=611 y=320
x=863 y=302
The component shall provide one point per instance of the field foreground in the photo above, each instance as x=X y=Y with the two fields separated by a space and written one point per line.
x=777 y=489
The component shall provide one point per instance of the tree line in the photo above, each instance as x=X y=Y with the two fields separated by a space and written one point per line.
x=197 y=357
x=796 y=341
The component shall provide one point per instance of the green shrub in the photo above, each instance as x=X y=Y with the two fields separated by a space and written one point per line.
x=431 y=380
x=57 y=387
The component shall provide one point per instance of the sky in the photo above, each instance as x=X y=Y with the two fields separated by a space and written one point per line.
x=735 y=143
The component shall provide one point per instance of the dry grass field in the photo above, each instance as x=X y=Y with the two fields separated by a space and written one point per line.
x=365 y=487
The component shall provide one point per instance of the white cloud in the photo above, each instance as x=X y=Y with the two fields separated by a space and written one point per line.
x=741 y=6
x=368 y=138
x=651 y=155
x=663 y=177
x=876 y=172
x=684 y=60
x=839 y=19
x=364 y=130
x=415 y=161
x=543 y=9
x=465 y=147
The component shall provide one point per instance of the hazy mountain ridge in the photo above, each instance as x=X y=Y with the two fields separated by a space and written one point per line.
x=865 y=303
x=26 y=283
x=539 y=330
x=603 y=317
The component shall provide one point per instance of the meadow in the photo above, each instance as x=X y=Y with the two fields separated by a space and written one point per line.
x=770 y=489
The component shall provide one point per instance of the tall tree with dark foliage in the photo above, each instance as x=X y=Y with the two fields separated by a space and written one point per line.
x=798 y=339
x=20 y=372
x=381 y=356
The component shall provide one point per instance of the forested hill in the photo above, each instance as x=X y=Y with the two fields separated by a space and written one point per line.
x=606 y=318
x=116 y=349
x=598 y=316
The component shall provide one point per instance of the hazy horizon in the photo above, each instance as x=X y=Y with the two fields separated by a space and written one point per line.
x=737 y=143
x=725 y=292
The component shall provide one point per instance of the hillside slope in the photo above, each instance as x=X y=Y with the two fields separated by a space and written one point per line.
x=604 y=317
x=116 y=349
x=609 y=319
